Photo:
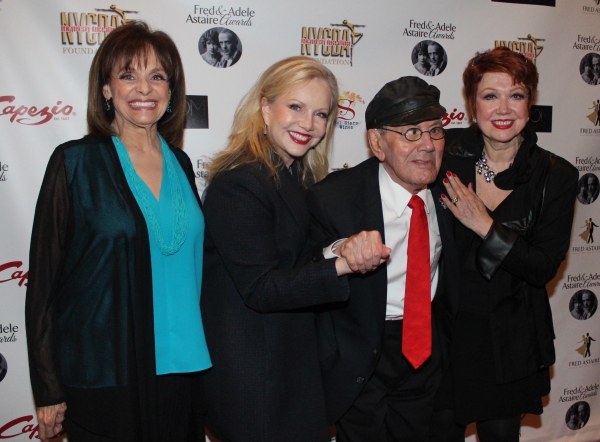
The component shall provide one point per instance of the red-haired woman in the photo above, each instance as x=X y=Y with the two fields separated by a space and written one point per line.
x=514 y=204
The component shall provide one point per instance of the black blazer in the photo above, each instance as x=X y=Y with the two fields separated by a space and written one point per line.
x=350 y=335
x=265 y=383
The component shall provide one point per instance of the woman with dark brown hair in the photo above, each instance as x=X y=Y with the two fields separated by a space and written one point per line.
x=513 y=229
x=112 y=311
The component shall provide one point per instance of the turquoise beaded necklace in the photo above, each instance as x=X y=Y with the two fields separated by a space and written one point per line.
x=179 y=209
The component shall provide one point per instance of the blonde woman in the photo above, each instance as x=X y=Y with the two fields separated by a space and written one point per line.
x=259 y=284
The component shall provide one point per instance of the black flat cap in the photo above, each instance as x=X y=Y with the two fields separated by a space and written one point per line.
x=407 y=100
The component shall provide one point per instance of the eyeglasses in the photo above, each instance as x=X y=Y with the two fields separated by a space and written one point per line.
x=415 y=134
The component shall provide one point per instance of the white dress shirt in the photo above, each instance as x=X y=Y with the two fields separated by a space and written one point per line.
x=396 y=224
x=396 y=221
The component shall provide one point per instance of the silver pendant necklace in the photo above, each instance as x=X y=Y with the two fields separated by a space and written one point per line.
x=483 y=168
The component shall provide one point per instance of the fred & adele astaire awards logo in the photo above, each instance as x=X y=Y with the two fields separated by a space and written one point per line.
x=219 y=15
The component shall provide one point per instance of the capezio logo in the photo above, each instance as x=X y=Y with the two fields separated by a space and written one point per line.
x=347 y=102
x=454 y=118
x=527 y=46
x=21 y=426
x=90 y=28
x=334 y=45
x=21 y=276
x=31 y=115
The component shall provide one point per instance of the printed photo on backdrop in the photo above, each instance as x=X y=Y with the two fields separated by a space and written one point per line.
x=429 y=58
x=588 y=189
x=220 y=47
x=583 y=304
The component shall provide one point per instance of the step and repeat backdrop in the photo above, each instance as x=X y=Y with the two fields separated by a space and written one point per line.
x=45 y=53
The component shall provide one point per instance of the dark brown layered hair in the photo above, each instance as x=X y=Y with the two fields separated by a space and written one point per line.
x=500 y=59
x=124 y=48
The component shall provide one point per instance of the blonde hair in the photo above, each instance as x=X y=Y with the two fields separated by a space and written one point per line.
x=247 y=142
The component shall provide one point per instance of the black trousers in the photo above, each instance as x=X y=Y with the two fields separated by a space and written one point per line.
x=176 y=421
x=396 y=404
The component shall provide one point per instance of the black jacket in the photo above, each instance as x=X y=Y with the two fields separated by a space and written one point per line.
x=258 y=283
x=529 y=241
x=351 y=333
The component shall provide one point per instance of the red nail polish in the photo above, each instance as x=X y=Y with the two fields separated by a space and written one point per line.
x=444 y=195
x=454 y=175
x=449 y=173
x=446 y=181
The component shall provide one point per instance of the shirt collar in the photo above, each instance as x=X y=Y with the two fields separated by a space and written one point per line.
x=396 y=196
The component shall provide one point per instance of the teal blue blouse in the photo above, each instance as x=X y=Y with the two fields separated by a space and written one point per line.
x=177 y=278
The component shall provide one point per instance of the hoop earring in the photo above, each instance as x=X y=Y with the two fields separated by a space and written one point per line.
x=169 y=110
x=107 y=105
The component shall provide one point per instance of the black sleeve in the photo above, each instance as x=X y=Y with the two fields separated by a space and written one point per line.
x=322 y=233
x=537 y=261
x=240 y=218
x=46 y=257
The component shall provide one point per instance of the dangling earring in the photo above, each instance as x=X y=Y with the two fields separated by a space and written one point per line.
x=169 y=110
x=107 y=105
x=265 y=130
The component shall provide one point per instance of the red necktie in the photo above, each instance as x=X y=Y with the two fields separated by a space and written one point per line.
x=416 y=327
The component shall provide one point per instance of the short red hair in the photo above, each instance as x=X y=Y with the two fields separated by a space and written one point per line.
x=500 y=59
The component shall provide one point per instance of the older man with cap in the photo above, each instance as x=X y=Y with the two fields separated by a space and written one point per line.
x=382 y=350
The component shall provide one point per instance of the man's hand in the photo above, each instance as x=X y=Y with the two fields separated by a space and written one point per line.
x=364 y=251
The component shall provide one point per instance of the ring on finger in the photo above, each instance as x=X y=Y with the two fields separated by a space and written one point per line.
x=454 y=200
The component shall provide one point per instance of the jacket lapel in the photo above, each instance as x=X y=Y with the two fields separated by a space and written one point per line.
x=370 y=217
x=294 y=197
x=369 y=214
